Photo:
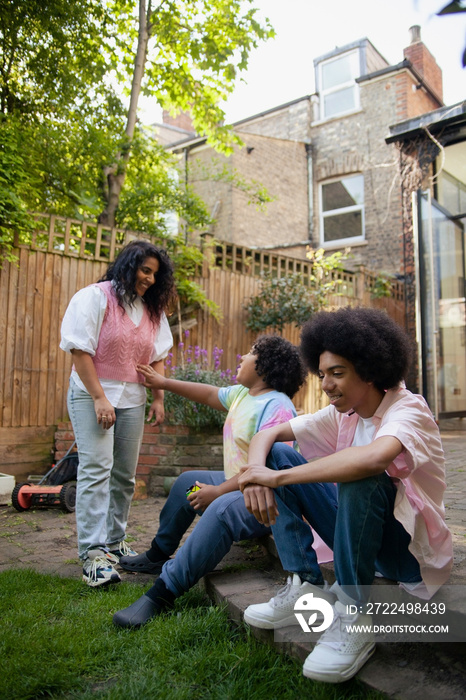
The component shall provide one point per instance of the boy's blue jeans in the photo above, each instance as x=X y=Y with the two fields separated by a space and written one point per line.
x=358 y=525
x=224 y=521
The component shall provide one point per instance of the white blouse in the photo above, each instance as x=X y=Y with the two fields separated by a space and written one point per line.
x=80 y=330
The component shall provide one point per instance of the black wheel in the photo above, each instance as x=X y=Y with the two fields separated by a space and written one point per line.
x=68 y=497
x=18 y=500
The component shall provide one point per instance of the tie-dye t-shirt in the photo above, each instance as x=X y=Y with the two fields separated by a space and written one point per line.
x=246 y=416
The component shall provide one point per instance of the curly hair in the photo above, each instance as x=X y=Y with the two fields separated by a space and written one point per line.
x=122 y=272
x=378 y=348
x=279 y=363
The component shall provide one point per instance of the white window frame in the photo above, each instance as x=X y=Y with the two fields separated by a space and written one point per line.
x=337 y=88
x=341 y=242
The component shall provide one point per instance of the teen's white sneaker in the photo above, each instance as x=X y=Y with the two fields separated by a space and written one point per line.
x=98 y=569
x=279 y=611
x=340 y=652
x=122 y=549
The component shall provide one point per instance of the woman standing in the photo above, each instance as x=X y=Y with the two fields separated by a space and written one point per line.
x=109 y=327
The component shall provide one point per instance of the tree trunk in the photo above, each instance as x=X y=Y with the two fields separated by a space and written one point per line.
x=115 y=175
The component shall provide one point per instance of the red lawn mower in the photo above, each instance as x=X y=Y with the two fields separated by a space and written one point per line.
x=56 y=488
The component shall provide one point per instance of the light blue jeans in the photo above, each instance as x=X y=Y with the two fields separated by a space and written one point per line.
x=359 y=526
x=106 y=472
x=224 y=521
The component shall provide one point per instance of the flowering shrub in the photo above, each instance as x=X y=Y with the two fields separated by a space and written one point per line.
x=194 y=365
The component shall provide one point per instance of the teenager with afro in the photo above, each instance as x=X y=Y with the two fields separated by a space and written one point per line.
x=268 y=377
x=376 y=450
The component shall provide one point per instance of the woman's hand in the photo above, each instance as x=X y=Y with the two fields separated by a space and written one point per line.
x=156 y=411
x=153 y=380
x=204 y=497
x=104 y=412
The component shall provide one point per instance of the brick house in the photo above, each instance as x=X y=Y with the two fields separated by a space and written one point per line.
x=342 y=166
x=433 y=172
x=323 y=159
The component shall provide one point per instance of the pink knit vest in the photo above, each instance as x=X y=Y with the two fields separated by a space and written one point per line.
x=122 y=344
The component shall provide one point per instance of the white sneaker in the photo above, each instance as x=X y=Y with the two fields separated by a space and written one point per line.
x=279 y=611
x=122 y=549
x=98 y=569
x=340 y=653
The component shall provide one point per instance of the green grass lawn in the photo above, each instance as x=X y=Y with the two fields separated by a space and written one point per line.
x=57 y=640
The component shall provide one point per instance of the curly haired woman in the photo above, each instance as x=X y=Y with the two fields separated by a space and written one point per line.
x=108 y=328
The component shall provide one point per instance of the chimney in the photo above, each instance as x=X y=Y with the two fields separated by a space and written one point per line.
x=423 y=62
x=182 y=121
x=415 y=34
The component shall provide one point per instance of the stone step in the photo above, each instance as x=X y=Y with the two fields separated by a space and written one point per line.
x=386 y=592
x=406 y=671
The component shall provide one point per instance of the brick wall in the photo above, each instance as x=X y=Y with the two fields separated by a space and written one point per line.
x=182 y=120
x=279 y=165
x=356 y=144
x=166 y=451
x=412 y=98
x=426 y=65
x=290 y=123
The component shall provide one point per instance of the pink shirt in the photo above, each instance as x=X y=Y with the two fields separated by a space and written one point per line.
x=418 y=472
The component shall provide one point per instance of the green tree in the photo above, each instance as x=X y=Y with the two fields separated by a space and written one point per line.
x=51 y=55
x=62 y=69
x=69 y=144
x=50 y=61
x=187 y=54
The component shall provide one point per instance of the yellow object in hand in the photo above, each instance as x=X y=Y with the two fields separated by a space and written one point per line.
x=193 y=489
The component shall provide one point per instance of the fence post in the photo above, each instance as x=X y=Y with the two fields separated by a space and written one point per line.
x=360 y=283
x=206 y=242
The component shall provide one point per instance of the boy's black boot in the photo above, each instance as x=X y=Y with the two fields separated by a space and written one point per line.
x=149 y=605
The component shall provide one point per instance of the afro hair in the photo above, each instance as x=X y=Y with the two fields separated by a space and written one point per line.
x=279 y=363
x=378 y=348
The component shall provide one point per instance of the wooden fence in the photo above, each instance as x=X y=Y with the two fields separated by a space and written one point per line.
x=66 y=255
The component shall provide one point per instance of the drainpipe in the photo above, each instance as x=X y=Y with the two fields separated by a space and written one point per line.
x=310 y=195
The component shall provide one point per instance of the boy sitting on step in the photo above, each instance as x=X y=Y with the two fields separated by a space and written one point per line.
x=268 y=377
x=382 y=446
